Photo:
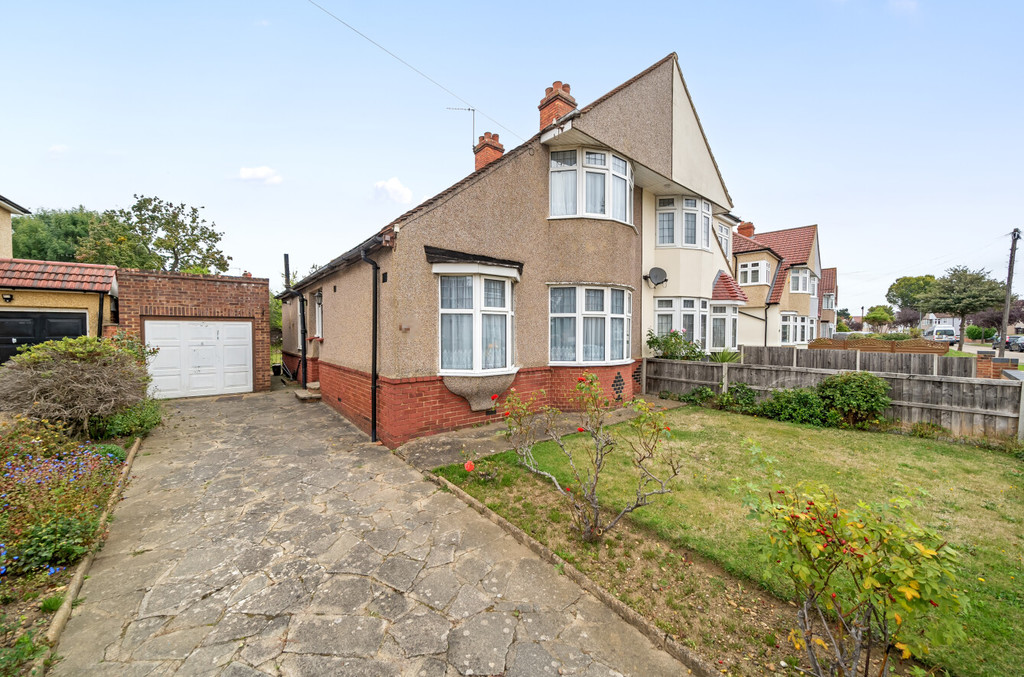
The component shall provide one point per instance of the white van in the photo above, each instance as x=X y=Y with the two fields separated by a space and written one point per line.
x=944 y=334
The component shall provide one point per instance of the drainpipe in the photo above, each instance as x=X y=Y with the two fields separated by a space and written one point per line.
x=373 y=350
x=99 y=322
x=302 y=338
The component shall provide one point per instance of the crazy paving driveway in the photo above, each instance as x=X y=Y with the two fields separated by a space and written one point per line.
x=264 y=536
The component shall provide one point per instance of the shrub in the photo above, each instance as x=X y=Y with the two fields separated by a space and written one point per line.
x=114 y=451
x=798 y=405
x=699 y=396
x=25 y=438
x=895 y=336
x=739 y=398
x=73 y=380
x=855 y=396
x=724 y=355
x=134 y=421
x=674 y=346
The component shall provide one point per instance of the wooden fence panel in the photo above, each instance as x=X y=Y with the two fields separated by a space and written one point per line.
x=957 y=366
x=842 y=360
x=968 y=407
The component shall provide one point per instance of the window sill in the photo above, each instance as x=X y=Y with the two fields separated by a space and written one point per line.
x=477 y=374
x=591 y=217
x=318 y=339
x=688 y=247
x=612 y=363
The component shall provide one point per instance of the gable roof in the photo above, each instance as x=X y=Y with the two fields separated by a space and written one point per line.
x=795 y=245
x=57 y=275
x=13 y=207
x=741 y=244
x=726 y=289
x=828 y=281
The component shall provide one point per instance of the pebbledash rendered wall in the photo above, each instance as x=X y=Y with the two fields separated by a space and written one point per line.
x=154 y=295
x=408 y=408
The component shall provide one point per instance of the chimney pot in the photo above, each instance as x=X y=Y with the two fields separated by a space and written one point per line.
x=488 y=150
x=557 y=103
x=746 y=229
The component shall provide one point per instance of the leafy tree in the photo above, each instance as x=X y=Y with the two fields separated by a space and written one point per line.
x=51 y=234
x=908 y=316
x=111 y=241
x=962 y=292
x=842 y=326
x=855 y=326
x=879 y=316
x=275 y=312
x=907 y=292
x=993 y=317
x=843 y=314
x=175 y=234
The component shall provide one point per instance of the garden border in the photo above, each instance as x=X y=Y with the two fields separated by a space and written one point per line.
x=658 y=637
x=63 y=614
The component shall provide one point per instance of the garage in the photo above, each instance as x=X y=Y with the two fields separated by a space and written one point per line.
x=21 y=328
x=197 y=358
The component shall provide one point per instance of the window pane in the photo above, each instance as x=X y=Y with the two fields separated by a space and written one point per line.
x=666 y=228
x=594 y=301
x=689 y=202
x=618 y=302
x=690 y=230
x=666 y=202
x=734 y=330
x=707 y=231
x=718 y=332
x=664 y=303
x=688 y=328
x=593 y=339
x=494 y=341
x=755 y=274
x=618 y=327
x=665 y=324
x=594 y=159
x=457 y=292
x=619 y=198
x=563 y=339
x=718 y=310
x=456 y=341
x=563 y=158
x=494 y=294
x=794 y=284
x=785 y=332
x=688 y=303
x=563 y=193
x=702 y=339
x=618 y=165
x=743 y=276
x=707 y=206
x=563 y=300
x=595 y=193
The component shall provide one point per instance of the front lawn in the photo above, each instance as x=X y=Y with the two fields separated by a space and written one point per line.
x=972 y=496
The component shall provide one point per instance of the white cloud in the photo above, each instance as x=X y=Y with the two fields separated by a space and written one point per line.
x=903 y=6
x=392 y=190
x=58 y=148
x=264 y=175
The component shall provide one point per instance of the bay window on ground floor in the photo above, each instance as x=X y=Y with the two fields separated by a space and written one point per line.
x=476 y=324
x=589 y=325
x=712 y=327
x=798 y=329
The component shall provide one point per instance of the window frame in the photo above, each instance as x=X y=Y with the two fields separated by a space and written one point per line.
x=477 y=312
x=606 y=313
x=745 y=270
x=828 y=301
x=724 y=234
x=799 y=278
x=318 y=314
x=610 y=173
x=698 y=208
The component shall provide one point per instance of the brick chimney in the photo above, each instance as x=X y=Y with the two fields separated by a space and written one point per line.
x=488 y=150
x=746 y=229
x=557 y=103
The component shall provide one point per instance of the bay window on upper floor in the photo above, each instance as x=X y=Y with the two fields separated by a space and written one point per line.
x=803 y=281
x=828 y=302
x=591 y=183
x=725 y=239
x=754 y=272
x=683 y=221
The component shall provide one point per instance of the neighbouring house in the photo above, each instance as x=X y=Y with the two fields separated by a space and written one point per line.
x=550 y=260
x=7 y=209
x=828 y=297
x=937 y=320
x=780 y=271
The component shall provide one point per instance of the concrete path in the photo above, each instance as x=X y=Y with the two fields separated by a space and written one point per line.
x=265 y=536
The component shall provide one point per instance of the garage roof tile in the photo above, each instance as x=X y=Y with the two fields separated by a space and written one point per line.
x=56 y=275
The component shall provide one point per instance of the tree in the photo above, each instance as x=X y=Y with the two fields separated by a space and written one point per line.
x=962 y=292
x=909 y=317
x=275 y=312
x=844 y=314
x=111 y=241
x=51 y=234
x=175 y=233
x=993 y=317
x=907 y=292
x=879 y=317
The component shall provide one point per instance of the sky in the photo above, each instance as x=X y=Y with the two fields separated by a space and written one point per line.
x=889 y=123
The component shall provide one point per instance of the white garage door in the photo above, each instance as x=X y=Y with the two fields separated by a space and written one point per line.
x=199 y=358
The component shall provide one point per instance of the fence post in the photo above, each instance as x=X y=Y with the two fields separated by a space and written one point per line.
x=1020 y=412
x=742 y=355
x=643 y=376
x=794 y=355
x=725 y=377
x=857 y=365
x=974 y=368
x=935 y=364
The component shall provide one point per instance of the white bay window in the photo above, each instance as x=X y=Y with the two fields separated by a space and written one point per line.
x=685 y=316
x=799 y=280
x=589 y=325
x=684 y=222
x=603 y=179
x=754 y=272
x=476 y=324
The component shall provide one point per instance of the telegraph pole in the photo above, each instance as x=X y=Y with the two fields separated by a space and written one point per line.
x=1014 y=236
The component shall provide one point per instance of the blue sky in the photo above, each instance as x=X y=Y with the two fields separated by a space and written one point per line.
x=893 y=124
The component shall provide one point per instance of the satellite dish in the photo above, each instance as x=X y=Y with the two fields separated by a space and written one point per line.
x=657 y=276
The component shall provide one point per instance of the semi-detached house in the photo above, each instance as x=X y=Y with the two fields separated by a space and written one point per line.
x=550 y=260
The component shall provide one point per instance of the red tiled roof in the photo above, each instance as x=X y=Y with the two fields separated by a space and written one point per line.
x=828 y=281
x=24 y=274
x=794 y=245
x=741 y=244
x=726 y=289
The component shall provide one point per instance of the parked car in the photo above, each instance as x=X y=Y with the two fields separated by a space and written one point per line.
x=943 y=334
x=1011 y=343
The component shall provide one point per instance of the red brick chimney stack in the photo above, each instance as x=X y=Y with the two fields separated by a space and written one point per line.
x=488 y=150
x=557 y=103
x=746 y=229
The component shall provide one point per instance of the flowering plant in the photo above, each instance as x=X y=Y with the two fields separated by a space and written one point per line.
x=674 y=345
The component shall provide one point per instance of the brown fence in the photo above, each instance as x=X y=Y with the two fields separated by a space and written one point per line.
x=871 y=345
x=861 y=360
x=967 y=407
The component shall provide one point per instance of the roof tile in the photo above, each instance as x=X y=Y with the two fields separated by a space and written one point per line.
x=25 y=274
x=726 y=289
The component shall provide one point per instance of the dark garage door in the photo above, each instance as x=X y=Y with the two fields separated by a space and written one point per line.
x=26 y=328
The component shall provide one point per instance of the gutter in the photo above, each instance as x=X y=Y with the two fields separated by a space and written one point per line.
x=374 y=322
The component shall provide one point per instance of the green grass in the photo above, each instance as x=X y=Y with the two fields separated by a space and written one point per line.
x=972 y=496
x=959 y=353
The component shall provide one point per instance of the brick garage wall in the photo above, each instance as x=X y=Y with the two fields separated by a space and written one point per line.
x=416 y=407
x=145 y=294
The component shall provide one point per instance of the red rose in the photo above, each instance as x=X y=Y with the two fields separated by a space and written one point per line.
x=581 y=379
x=581 y=429
x=505 y=413
x=494 y=397
x=667 y=428
x=469 y=466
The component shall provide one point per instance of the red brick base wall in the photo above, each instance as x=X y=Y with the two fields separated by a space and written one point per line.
x=415 y=407
x=294 y=363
